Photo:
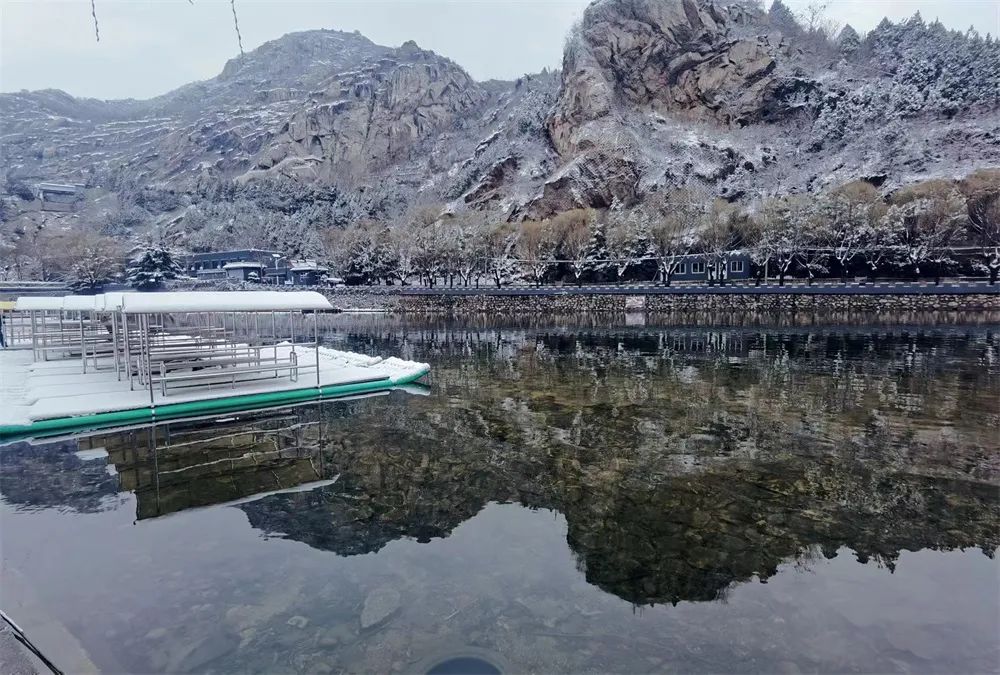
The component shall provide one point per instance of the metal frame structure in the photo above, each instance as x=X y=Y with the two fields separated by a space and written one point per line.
x=164 y=341
x=14 y=326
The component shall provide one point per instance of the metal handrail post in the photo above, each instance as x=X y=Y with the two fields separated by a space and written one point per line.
x=149 y=365
x=114 y=340
x=45 y=336
x=34 y=338
x=128 y=350
x=83 y=342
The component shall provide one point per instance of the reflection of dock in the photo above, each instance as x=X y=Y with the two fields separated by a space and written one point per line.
x=176 y=466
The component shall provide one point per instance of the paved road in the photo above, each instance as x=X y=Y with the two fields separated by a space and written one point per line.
x=887 y=288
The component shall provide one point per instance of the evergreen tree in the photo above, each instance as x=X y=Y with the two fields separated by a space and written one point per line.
x=848 y=42
x=597 y=256
x=783 y=19
x=151 y=267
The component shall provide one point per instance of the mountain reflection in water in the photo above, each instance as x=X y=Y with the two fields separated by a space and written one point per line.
x=685 y=461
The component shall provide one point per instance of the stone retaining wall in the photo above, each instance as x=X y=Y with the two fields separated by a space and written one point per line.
x=807 y=303
x=384 y=300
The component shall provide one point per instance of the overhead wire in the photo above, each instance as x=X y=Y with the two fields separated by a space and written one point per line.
x=232 y=6
x=93 y=13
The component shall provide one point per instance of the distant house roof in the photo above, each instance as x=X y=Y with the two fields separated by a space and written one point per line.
x=307 y=266
x=57 y=187
x=240 y=253
x=243 y=264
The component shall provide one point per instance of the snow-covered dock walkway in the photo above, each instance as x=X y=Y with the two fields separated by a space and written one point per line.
x=36 y=392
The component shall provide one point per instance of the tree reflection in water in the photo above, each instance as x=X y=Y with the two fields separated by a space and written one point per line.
x=685 y=460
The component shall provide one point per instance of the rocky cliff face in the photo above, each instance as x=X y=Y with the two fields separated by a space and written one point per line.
x=676 y=58
x=652 y=94
x=744 y=104
x=368 y=118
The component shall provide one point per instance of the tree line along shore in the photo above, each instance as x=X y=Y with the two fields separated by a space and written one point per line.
x=926 y=230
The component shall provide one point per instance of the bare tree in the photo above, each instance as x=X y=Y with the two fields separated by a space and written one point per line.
x=721 y=236
x=405 y=252
x=498 y=249
x=926 y=219
x=536 y=248
x=628 y=241
x=758 y=244
x=469 y=230
x=26 y=253
x=784 y=228
x=675 y=227
x=845 y=221
x=574 y=231
x=982 y=192
x=362 y=253
x=95 y=261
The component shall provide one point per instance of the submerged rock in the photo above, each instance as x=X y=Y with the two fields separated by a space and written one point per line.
x=198 y=654
x=298 y=621
x=380 y=604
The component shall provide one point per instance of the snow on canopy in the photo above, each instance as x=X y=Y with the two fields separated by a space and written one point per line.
x=111 y=301
x=223 y=301
x=82 y=303
x=71 y=303
x=180 y=301
x=39 y=302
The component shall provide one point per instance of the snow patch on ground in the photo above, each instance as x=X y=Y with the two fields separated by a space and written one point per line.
x=91 y=455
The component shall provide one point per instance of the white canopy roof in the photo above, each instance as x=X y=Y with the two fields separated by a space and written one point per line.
x=222 y=301
x=111 y=302
x=72 y=303
x=84 y=303
x=38 y=302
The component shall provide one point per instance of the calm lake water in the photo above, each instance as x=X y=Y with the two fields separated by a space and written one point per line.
x=560 y=497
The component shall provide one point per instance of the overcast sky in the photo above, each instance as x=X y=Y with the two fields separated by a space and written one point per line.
x=150 y=47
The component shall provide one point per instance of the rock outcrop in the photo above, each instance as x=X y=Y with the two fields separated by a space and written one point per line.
x=676 y=58
x=595 y=179
x=369 y=118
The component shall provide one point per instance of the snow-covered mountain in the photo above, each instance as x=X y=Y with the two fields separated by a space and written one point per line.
x=652 y=93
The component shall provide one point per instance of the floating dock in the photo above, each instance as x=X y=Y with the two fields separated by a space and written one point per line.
x=97 y=361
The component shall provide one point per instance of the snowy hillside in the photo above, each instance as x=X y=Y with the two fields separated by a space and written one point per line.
x=652 y=94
